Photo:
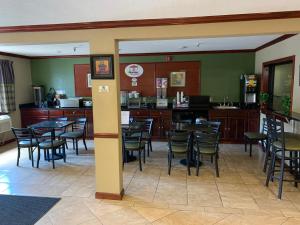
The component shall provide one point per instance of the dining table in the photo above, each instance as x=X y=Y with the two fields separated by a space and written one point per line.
x=52 y=125
x=192 y=129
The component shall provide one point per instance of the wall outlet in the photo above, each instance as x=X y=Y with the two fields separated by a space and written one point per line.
x=103 y=88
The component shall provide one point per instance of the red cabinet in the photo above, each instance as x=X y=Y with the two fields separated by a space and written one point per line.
x=34 y=115
x=235 y=122
x=162 y=120
x=30 y=116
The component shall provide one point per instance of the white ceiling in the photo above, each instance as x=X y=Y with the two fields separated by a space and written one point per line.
x=31 y=12
x=151 y=46
x=197 y=44
x=48 y=49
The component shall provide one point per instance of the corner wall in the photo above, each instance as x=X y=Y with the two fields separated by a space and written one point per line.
x=23 y=88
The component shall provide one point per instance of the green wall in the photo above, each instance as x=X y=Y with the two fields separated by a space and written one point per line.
x=220 y=73
x=56 y=72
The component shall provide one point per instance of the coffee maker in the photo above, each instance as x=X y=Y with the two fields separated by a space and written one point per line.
x=249 y=91
x=38 y=95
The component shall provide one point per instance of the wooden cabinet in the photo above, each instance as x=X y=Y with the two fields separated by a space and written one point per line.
x=34 y=115
x=234 y=122
x=31 y=116
x=162 y=120
x=146 y=84
x=55 y=113
x=90 y=123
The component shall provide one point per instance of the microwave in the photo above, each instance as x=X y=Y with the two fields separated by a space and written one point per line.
x=69 y=103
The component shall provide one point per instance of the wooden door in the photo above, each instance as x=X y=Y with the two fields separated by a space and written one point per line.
x=236 y=128
x=81 y=72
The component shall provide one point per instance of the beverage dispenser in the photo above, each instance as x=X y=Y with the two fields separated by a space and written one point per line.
x=249 y=90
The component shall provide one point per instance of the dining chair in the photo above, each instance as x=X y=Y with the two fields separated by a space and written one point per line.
x=283 y=148
x=207 y=144
x=147 y=127
x=25 y=139
x=133 y=143
x=49 y=143
x=78 y=132
x=253 y=137
x=179 y=144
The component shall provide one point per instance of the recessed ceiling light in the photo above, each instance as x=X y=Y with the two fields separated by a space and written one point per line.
x=184 y=47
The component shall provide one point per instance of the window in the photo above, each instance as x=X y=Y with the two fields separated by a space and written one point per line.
x=280 y=82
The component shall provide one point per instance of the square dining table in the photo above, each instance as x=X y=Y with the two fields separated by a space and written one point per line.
x=52 y=125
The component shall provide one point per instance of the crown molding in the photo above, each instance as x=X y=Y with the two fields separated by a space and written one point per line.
x=275 y=41
x=152 y=22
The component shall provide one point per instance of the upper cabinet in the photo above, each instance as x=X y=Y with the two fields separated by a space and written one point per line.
x=146 y=83
x=82 y=88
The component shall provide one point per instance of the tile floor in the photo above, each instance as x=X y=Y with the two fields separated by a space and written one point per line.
x=152 y=197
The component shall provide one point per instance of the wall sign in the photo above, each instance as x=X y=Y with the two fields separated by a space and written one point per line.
x=134 y=70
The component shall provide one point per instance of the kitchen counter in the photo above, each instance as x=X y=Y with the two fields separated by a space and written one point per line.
x=32 y=106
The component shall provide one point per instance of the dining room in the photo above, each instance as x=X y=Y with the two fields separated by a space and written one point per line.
x=171 y=137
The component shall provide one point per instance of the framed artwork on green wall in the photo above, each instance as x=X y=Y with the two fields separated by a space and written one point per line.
x=177 y=79
x=102 y=66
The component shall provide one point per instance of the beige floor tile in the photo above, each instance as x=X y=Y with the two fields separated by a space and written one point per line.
x=292 y=221
x=152 y=214
x=238 y=196
x=190 y=218
x=123 y=216
x=252 y=220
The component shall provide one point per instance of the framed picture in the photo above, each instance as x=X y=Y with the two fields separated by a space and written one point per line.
x=177 y=79
x=102 y=66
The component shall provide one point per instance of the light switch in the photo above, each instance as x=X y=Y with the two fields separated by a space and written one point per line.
x=103 y=88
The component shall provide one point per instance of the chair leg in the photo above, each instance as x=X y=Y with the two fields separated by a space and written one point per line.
x=32 y=160
x=29 y=153
x=188 y=163
x=18 y=158
x=67 y=147
x=267 y=155
x=250 y=149
x=73 y=143
x=64 y=153
x=38 y=158
x=246 y=144
x=148 y=148
x=140 y=160
x=281 y=177
x=53 y=163
x=48 y=155
x=169 y=163
x=84 y=143
x=144 y=154
x=198 y=164
x=217 y=166
x=270 y=169
x=76 y=146
x=150 y=142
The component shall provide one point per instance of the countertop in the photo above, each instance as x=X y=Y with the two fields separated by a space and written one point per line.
x=32 y=106
x=291 y=116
